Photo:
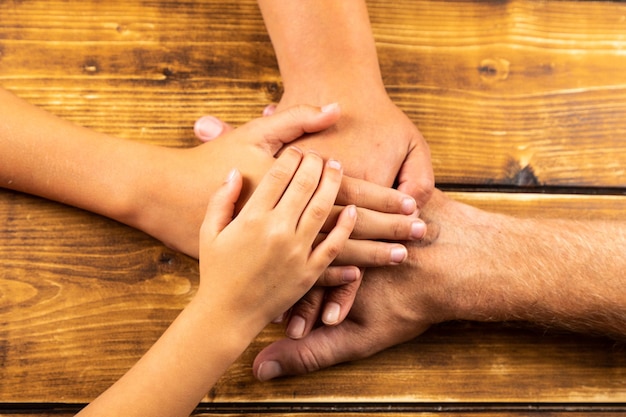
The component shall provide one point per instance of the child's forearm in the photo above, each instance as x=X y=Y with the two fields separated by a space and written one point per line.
x=181 y=367
x=53 y=158
x=322 y=47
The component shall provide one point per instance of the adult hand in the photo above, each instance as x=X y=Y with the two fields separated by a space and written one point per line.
x=393 y=305
x=382 y=145
x=377 y=142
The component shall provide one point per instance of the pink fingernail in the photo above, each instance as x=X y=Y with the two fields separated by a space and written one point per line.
x=208 y=128
x=349 y=275
x=398 y=254
x=334 y=164
x=269 y=110
x=330 y=107
x=296 y=327
x=269 y=370
x=418 y=229
x=231 y=175
x=331 y=313
x=408 y=205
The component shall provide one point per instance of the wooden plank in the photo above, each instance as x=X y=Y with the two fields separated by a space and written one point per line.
x=84 y=297
x=518 y=93
x=381 y=414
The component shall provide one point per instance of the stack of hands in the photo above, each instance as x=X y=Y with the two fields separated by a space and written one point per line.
x=328 y=211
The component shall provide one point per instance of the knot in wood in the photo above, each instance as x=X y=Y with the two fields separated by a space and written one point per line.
x=494 y=69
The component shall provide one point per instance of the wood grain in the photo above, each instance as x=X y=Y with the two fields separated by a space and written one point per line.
x=518 y=95
x=84 y=297
x=503 y=91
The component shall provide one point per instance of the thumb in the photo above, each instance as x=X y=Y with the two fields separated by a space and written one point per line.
x=221 y=207
x=208 y=128
x=274 y=131
x=323 y=347
x=416 y=176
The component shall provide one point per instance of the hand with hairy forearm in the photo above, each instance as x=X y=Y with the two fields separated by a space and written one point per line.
x=480 y=266
x=326 y=53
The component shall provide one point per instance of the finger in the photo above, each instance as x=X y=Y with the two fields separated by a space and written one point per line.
x=208 y=128
x=300 y=192
x=338 y=275
x=304 y=313
x=323 y=347
x=287 y=125
x=338 y=302
x=371 y=253
x=368 y=195
x=322 y=202
x=327 y=250
x=221 y=206
x=275 y=181
x=381 y=226
x=269 y=110
x=416 y=176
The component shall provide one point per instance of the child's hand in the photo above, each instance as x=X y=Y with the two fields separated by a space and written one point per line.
x=263 y=261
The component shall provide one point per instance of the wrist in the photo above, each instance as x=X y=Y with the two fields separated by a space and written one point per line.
x=350 y=91
x=465 y=263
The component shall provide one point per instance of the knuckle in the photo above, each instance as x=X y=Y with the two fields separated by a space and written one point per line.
x=304 y=183
x=279 y=173
x=351 y=193
x=279 y=234
x=309 y=305
x=380 y=255
x=329 y=275
x=320 y=210
x=334 y=250
x=400 y=230
x=360 y=223
x=308 y=359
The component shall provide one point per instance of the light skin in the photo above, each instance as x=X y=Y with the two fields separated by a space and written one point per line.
x=326 y=53
x=285 y=215
x=53 y=158
x=552 y=273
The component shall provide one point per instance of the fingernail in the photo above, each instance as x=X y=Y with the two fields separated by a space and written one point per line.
x=269 y=370
x=408 y=205
x=349 y=275
x=330 y=107
x=331 y=313
x=231 y=175
x=418 y=229
x=269 y=110
x=351 y=211
x=278 y=319
x=334 y=164
x=208 y=127
x=398 y=254
x=295 y=330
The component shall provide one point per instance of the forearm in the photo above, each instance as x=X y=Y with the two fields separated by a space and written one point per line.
x=561 y=273
x=182 y=366
x=53 y=158
x=324 y=47
x=556 y=273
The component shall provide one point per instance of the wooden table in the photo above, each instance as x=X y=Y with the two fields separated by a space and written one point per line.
x=522 y=102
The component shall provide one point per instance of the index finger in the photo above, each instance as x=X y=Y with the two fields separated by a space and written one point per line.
x=375 y=197
x=275 y=181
